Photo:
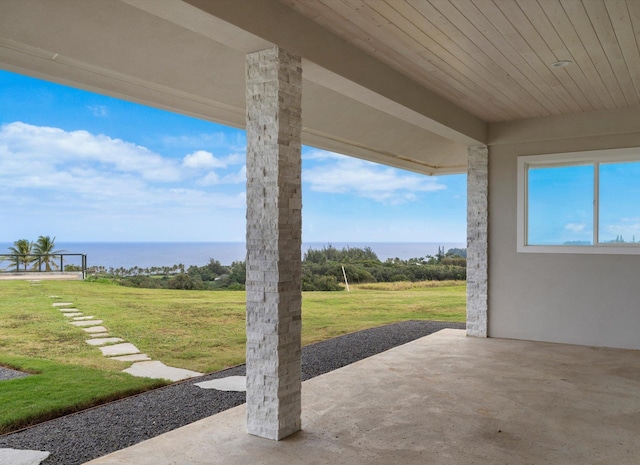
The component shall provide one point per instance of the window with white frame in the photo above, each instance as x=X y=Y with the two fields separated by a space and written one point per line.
x=583 y=202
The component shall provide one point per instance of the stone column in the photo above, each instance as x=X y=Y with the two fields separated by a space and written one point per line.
x=477 y=245
x=274 y=232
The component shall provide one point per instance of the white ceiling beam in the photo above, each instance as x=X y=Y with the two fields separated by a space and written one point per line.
x=572 y=126
x=280 y=25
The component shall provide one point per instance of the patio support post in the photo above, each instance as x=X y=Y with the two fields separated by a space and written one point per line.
x=274 y=234
x=477 y=243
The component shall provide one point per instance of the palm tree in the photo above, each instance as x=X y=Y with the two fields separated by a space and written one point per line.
x=21 y=253
x=44 y=248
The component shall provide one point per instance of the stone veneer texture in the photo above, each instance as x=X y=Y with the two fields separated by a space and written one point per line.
x=477 y=245
x=274 y=232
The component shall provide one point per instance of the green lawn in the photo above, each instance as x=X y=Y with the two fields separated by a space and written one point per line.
x=198 y=330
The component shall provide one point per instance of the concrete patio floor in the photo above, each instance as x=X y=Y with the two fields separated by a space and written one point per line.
x=442 y=399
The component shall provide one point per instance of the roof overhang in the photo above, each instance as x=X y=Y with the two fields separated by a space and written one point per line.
x=189 y=57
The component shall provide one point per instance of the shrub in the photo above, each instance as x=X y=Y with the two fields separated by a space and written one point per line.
x=320 y=283
x=141 y=281
x=235 y=287
x=185 y=282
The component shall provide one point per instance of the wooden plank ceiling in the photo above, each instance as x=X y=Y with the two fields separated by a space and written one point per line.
x=493 y=57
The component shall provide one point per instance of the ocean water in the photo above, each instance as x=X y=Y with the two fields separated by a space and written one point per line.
x=148 y=254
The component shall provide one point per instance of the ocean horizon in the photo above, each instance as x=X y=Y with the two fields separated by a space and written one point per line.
x=148 y=254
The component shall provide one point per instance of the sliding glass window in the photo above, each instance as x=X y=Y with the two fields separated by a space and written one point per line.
x=585 y=202
x=619 y=203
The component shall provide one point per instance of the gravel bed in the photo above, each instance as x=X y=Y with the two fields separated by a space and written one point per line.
x=83 y=436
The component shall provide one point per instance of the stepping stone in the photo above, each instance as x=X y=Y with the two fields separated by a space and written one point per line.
x=86 y=323
x=125 y=348
x=156 y=369
x=98 y=334
x=72 y=314
x=95 y=329
x=132 y=358
x=103 y=341
x=54 y=297
x=230 y=383
x=22 y=457
x=7 y=374
x=62 y=304
x=64 y=310
x=81 y=318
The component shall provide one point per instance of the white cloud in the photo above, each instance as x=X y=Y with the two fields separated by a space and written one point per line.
x=626 y=227
x=44 y=168
x=575 y=227
x=234 y=159
x=98 y=110
x=239 y=177
x=202 y=159
x=344 y=175
x=47 y=149
x=212 y=178
x=209 y=180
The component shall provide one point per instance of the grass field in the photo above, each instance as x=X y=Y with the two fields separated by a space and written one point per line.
x=198 y=330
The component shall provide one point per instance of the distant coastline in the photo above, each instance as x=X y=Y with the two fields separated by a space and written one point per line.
x=147 y=254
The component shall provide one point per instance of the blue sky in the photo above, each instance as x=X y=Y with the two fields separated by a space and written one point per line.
x=85 y=167
x=561 y=203
x=619 y=206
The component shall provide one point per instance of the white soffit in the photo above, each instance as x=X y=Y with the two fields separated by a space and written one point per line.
x=171 y=55
x=368 y=134
x=115 y=49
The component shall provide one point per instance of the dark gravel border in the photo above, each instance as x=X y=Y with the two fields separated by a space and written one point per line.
x=83 y=436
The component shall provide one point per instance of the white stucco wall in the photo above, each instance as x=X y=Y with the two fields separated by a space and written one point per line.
x=567 y=298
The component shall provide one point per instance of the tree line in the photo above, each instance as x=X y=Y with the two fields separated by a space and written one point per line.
x=212 y=276
x=322 y=270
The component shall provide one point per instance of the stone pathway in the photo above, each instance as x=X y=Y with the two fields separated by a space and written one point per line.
x=118 y=349
x=7 y=374
x=230 y=383
x=113 y=347
x=22 y=457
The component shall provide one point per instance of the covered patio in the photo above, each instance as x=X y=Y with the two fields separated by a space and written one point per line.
x=483 y=87
x=442 y=399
